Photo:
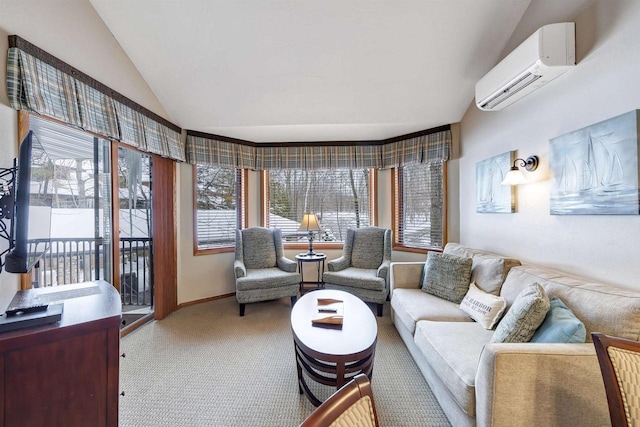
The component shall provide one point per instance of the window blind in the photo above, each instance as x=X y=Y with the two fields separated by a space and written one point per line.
x=419 y=206
x=220 y=206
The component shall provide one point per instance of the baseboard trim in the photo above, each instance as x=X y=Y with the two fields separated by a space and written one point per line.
x=199 y=301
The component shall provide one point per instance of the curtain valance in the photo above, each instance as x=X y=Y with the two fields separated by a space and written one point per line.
x=420 y=147
x=39 y=82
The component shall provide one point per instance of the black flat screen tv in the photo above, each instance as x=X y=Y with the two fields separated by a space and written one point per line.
x=33 y=201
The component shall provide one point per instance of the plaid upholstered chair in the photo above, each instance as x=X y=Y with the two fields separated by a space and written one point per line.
x=620 y=366
x=262 y=272
x=350 y=406
x=363 y=268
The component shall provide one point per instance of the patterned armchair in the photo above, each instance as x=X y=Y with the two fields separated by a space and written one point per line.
x=363 y=268
x=262 y=272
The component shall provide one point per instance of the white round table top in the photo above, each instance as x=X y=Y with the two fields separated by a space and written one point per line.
x=359 y=327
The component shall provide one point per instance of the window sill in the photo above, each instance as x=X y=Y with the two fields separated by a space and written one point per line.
x=198 y=252
x=402 y=248
x=316 y=245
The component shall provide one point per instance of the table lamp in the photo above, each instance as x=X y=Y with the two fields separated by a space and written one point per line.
x=310 y=224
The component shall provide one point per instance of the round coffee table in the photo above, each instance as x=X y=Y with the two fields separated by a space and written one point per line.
x=329 y=355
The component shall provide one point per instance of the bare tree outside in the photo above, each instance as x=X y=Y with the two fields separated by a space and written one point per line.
x=217 y=190
x=340 y=198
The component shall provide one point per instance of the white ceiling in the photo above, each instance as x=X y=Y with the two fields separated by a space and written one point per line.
x=316 y=70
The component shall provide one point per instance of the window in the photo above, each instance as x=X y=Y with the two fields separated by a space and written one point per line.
x=341 y=198
x=220 y=207
x=81 y=219
x=419 y=201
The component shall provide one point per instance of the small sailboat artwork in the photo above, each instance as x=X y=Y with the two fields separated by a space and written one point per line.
x=491 y=195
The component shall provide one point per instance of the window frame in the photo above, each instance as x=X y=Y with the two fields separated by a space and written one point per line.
x=243 y=173
x=318 y=244
x=396 y=203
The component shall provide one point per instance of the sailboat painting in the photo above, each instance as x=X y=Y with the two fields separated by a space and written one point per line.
x=595 y=169
x=491 y=196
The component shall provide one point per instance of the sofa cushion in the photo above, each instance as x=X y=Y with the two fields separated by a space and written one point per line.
x=447 y=276
x=488 y=273
x=265 y=278
x=368 y=248
x=488 y=270
x=453 y=350
x=411 y=305
x=524 y=316
x=484 y=308
x=560 y=325
x=258 y=248
x=602 y=308
x=356 y=278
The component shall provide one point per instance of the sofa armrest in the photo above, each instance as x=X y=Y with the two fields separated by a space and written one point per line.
x=405 y=275
x=239 y=269
x=338 y=264
x=540 y=384
x=285 y=264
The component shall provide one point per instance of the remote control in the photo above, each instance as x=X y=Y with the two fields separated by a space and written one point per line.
x=27 y=309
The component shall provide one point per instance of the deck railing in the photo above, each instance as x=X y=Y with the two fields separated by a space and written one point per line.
x=136 y=271
x=74 y=260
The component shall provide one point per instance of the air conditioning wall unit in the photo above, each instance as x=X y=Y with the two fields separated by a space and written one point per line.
x=542 y=57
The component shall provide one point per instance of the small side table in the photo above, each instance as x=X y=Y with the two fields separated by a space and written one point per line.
x=319 y=259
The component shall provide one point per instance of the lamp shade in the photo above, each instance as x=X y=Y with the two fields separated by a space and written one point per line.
x=514 y=177
x=309 y=223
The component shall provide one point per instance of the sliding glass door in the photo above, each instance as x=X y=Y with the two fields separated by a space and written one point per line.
x=87 y=171
x=81 y=220
x=135 y=222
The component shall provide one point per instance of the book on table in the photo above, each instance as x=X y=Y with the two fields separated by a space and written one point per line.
x=328 y=312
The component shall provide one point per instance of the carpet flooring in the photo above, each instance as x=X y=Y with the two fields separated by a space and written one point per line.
x=206 y=366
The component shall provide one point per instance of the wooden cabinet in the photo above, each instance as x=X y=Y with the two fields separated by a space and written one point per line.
x=64 y=373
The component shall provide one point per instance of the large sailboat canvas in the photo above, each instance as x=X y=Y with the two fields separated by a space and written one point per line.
x=595 y=169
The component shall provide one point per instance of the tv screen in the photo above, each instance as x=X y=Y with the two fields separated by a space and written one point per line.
x=33 y=201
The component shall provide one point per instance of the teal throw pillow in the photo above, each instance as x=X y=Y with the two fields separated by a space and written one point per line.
x=446 y=276
x=560 y=325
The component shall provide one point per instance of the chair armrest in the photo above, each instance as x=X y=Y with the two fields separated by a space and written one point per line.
x=405 y=275
x=239 y=269
x=285 y=264
x=338 y=264
x=383 y=271
x=540 y=384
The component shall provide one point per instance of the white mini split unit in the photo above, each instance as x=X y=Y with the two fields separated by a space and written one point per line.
x=542 y=57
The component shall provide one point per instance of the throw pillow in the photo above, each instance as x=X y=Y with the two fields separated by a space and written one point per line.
x=483 y=307
x=446 y=276
x=525 y=316
x=560 y=325
x=488 y=273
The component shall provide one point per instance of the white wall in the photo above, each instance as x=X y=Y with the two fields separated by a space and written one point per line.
x=602 y=85
x=72 y=31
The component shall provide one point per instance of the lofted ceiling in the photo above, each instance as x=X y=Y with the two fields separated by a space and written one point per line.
x=317 y=70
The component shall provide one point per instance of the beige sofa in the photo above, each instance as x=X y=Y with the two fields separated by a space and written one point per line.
x=528 y=384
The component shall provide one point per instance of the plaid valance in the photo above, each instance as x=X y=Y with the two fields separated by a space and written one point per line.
x=39 y=82
x=420 y=147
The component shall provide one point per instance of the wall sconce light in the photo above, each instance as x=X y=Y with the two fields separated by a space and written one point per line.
x=515 y=175
x=310 y=224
